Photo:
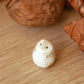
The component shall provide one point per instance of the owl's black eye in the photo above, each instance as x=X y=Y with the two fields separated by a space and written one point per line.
x=46 y=47
x=40 y=43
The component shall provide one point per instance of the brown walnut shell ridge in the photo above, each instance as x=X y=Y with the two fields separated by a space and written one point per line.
x=78 y=5
x=76 y=31
x=35 y=12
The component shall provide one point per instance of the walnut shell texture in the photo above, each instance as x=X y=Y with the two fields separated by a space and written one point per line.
x=35 y=12
x=78 y=5
x=76 y=31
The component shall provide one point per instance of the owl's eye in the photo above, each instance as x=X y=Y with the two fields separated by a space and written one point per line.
x=46 y=47
x=40 y=43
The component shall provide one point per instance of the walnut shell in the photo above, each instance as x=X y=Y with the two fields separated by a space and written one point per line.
x=35 y=12
x=76 y=31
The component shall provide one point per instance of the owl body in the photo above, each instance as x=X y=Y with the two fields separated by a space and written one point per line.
x=44 y=54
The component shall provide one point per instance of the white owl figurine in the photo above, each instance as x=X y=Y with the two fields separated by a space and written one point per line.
x=44 y=54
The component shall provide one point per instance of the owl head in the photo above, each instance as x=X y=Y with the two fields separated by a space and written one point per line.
x=44 y=46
